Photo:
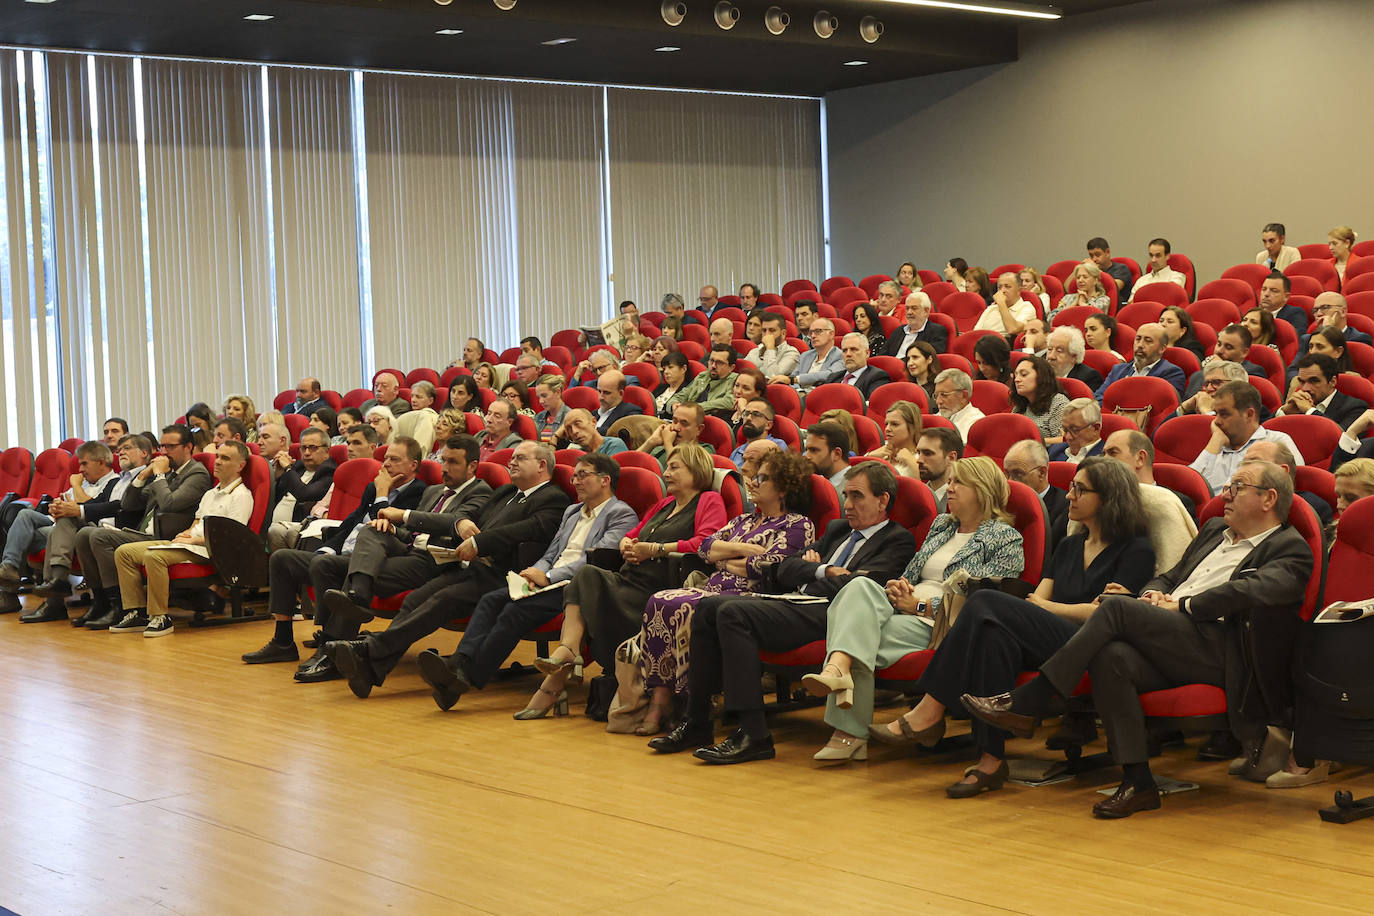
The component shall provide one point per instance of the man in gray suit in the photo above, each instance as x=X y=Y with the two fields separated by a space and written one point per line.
x=165 y=494
x=499 y=621
x=1226 y=615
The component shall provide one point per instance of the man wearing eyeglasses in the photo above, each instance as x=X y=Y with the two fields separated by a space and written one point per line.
x=1235 y=428
x=500 y=621
x=1330 y=311
x=1027 y=462
x=1216 y=372
x=300 y=485
x=708 y=300
x=756 y=422
x=164 y=496
x=1082 y=427
x=713 y=389
x=819 y=364
x=1226 y=615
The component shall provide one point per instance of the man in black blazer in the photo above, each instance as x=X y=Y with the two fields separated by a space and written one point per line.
x=308 y=398
x=1028 y=462
x=918 y=327
x=293 y=494
x=290 y=571
x=728 y=632
x=527 y=511
x=1064 y=349
x=1226 y=615
x=1316 y=392
x=857 y=372
x=610 y=392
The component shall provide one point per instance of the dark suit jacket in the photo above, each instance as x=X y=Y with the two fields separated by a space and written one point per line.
x=881 y=557
x=440 y=526
x=626 y=409
x=1059 y=451
x=507 y=523
x=173 y=499
x=307 y=494
x=1162 y=369
x=1057 y=512
x=407 y=497
x=1087 y=375
x=868 y=380
x=305 y=410
x=1259 y=607
x=102 y=505
x=937 y=335
x=1344 y=409
x=1294 y=316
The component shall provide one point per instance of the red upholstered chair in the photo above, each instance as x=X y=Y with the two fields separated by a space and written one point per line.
x=1163 y=294
x=1269 y=395
x=730 y=493
x=562 y=476
x=451 y=373
x=955 y=361
x=785 y=400
x=351 y=477
x=1316 y=250
x=1132 y=265
x=568 y=456
x=429 y=375
x=474 y=423
x=1360 y=303
x=641 y=397
x=825 y=504
x=993 y=436
x=1143 y=311
x=333 y=399
x=1361 y=355
x=356 y=397
x=1252 y=274
x=1029 y=511
x=1054 y=288
x=1005 y=269
x=1185 y=359
x=283 y=398
x=891 y=365
x=1319 y=481
x=640 y=487
x=1323 y=270
x=787 y=431
x=561 y=357
x=743 y=347
x=1184 y=480
x=716 y=434
x=1179 y=440
x=945 y=322
x=870 y=283
x=1217 y=313
x=884 y=396
x=1361 y=268
x=1306 y=286
x=915 y=509
x=1184 y=265
x=964 y=308
x=1101 y=361
x=571 y=340
x=991 y=397
x=634 y=459
x=429 y=472
x=1356 y=387
x=1073 y=388
x=934 y=419
x=869 y=434
x=938 y=292
x=807 y=295
x=831 y=396
x=797 y=286
x=1062 y=270
x=830 y=284
x=697 y=334
x=1286 y=339
x=494 y=474
x=295 y=423
x=963 y=344
x=501 y=457
x=1074 y=316
x=1138 y=392
x=1270 y=361
x=583 y=398
x=929 y=276
x=1352 y=555
x=1237 y=292
x=1316 y=437
x=294 y=450
x=1061 y=475
x=723 y=462
x=52 y=472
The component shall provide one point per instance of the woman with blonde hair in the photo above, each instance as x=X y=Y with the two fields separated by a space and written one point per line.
x=902 y=427
x=1340 y=240
x=1086 y=289
x=976 y=280
x=1031 y=283
x=485 y=375
x=449 y=422
x=871 y=626
x=241 y=407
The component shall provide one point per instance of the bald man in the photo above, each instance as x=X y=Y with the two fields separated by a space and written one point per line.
x=1150 y=343
x=1008 y=312
x=722 y=331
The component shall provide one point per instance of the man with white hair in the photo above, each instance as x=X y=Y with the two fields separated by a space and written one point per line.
x=918 y=327
x=953 y=391
x=386 y=390
x=819 y=364
x=1008 y=313
x=857 y=372
x=1064 y=350
x=1082 y=425
x=1216 y=371
x=1150 y=343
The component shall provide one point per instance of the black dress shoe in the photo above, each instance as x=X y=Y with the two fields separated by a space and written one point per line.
x=272 y=652
x=54 y=587
x=316 y=640
x=44 y=613
x=106 y=620
x=685 y=736
x=738 y=748
x=350 y=656
x=344 y=613
x=9 y=603
x=1127 y=801
x=1221 y=746
x=314 y=658
x=449 y=684
x=996 y=711
x=323 y=670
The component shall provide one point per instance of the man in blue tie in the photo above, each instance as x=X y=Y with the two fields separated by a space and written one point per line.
x=728 y=632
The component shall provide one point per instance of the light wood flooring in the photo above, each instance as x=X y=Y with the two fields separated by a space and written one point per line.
x=164 y=776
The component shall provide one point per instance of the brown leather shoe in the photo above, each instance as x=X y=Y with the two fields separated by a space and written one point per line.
x=1127 y=801
x=996 y=711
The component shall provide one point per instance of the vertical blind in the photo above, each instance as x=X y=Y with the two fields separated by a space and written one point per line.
x=174 y=231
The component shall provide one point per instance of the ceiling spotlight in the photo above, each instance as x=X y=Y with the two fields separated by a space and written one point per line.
x=258 y=17
x=449 y=32
x=825 y=24
x=667 y=49
x=558 y=41
x=727 y=14
x=870 y=29
x=856 y=63
x=776 y=20
x=673 y=12
x=504 y=4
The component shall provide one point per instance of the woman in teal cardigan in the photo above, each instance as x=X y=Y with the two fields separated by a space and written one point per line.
x=870 y=627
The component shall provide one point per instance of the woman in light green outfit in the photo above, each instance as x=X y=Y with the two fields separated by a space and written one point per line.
x=871 y=627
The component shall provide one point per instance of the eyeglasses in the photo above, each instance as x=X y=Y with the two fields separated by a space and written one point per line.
x=1214 y=383
x=583 y=475
x=1077 y=489
x=167 y=445
x=754 y=413
x=1023 y=473
x=1075 y=430
x=312 y=448
x=762 y=478
x=1231 y=490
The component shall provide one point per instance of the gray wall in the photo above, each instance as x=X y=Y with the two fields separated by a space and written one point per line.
x=1197 y=120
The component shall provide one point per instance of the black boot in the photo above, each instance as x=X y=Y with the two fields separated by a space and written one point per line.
x=99 y=607
x=114 y=610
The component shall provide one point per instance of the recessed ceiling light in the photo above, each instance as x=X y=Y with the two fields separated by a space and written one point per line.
x=558 y=41
x=258 y=17
x=667 y=49
x=449 y=32
x=856 y=63
x=40 y=1
x=1005 y=9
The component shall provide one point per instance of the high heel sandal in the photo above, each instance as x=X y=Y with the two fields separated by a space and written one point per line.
x=819 y=685
x=559 y=706
x=553 y=665
x=655 y=720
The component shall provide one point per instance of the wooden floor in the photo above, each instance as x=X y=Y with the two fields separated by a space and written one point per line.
x=150 y=776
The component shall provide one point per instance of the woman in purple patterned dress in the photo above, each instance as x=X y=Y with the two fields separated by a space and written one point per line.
x=774 y=530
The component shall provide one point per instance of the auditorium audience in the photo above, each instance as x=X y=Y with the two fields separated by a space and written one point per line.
x=675 y=372
x=241 y=408
x=936 y=451
x=1273 y=298
x=324 y=419
x=1149 y=360
x=922 y=365
x=386 y=392
x=954 y=271
x=1235 y=428
x=1169 y=513
x=379 y=418
x=1031 y=283
x=462 y=395
x=1100 y=256
x=1081 y=426
x=867 y=324
x=499 y=429
x=1007 y=312
x=712 y=389
x=992 y=359
x=1216 y=372
x=661 y=348
x=1098 y=331
x=1083 y=289
x=1260 y=324
x=418 y=422
x=580 y=429
x=683 y=429
x=977 y=281
x=917 y=329
x=856 y=372
x=307 y=400
x=1340 y=240
x=827 y=448
x=1157 y=268
x=819 y=364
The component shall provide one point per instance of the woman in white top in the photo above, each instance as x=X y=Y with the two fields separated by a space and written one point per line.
x=955 y=268
x=1340 y=240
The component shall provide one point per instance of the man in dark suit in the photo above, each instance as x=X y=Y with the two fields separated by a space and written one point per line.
x=610 y=392
x=857 y=372
x=308 y=398
x=1226 y=615
x=1316 y=393
x=708 y=303
x=1149 y=360
x=598 y=520
x=290 y=571
x=161 y=500
x=1064 y=349
x=918 y=327
x=386 y=390
x=1330 y=309
x=527 y=511
x=1082 y=425
x=728 y=632
x=1028 y=462
x=1273 y=298
x=302 y=483
x=1233 y=345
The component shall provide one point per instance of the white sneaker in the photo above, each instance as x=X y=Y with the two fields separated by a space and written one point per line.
x=160 y=625
x=132 y=622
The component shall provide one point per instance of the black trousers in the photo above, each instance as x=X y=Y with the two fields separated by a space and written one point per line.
x=496 y=628
x=994 y=639
x=1131 y=647
x=727 y=635
x=393 y=565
